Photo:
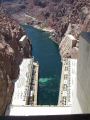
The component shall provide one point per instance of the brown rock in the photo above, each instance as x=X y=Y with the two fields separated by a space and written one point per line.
x=10 y=58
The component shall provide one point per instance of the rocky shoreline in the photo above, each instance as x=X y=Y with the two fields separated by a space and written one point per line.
x=11 y=55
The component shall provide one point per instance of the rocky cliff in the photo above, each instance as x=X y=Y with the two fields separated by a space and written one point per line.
x=60 y=13
x=11 y=55
x=56 y=14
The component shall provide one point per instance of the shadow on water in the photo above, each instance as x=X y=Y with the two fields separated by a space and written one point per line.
x=46 y=52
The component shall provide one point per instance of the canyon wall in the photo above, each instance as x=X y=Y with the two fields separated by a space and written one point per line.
x=11 y=55
x=57 y=14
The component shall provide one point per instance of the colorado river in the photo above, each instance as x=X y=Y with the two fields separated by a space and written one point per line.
x=46 y=52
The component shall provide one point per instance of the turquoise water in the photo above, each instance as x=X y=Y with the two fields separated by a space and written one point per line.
x=46 y=52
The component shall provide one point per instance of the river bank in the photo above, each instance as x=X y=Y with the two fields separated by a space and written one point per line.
x=48 y=30
x=23 y=18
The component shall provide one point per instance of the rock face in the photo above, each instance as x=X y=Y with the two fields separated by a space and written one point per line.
x=6 y=73
x=10 y=58
x=63 y=12
x=57 y=14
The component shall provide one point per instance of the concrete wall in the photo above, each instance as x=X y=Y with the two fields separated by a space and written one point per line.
x=81 y=99
x=83 y=73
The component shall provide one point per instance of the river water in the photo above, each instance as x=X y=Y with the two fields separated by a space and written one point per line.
x=46 y=52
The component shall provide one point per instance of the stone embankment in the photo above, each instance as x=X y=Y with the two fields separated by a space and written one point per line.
x=11 y=54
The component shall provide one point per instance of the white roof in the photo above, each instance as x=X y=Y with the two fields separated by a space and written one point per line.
x=22 y=38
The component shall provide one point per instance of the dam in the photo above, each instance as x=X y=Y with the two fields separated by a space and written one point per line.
x=46 y=52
